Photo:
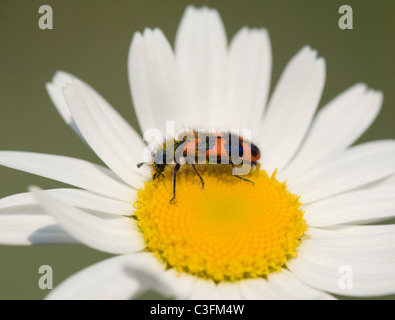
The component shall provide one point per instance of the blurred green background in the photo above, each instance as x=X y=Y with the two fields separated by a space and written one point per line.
x=91 y=39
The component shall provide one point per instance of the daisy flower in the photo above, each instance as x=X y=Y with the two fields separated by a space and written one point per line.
x=301 y=232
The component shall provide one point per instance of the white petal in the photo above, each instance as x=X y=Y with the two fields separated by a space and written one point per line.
x=56 y=94
x=291 y=108
x=74 y=197
x=282 y=285
x=293 y=289
x=30 y=225
x=125 y=131
x=361 y=206
x=78 y=173
x=100 y=134
x=204 y=290
x=388 y=181
x=170 y=283
x=328 y=277
x=157 y=91
x=367 y=256
x=181 y=283
x=55 y=91
x=118 y=236
x=351 y=169
x=351 y=237
x=250 y=64
x=337 y=126
x=104 y=280
x=259 y=289
x=201 y=52
x=151 y=274
x=229 y=290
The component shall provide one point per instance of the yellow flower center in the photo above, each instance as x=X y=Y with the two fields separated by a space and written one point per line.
x=228 y=231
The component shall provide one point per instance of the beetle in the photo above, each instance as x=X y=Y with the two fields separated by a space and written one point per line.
x=203 y=148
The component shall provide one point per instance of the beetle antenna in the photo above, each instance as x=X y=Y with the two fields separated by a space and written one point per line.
x=140 y=164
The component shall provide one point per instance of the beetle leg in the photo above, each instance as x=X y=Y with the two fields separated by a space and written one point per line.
x=233 y=165
x=200 y=177
x=245 y=179
x=176 y=168
x=140 y=164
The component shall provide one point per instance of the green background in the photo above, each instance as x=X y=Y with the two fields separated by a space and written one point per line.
x=91 y=39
